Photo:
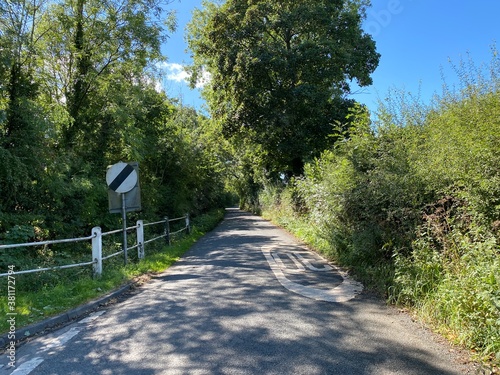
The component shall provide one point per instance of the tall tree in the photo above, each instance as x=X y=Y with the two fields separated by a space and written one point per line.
x=96 y=47
x=280 y=71
x=22 y=122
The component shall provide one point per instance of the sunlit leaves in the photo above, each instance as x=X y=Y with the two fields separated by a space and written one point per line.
x=280 y=71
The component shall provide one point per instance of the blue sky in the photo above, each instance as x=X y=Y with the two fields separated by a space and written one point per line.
x=416 y=40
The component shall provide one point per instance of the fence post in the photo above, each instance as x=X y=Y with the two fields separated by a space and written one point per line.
x=97 y=251
x=167 y=230
x=140 y=239
x=188 y=227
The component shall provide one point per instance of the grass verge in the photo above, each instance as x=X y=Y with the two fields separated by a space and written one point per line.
x=33 y=307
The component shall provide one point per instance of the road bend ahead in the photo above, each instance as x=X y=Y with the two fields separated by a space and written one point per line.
x=246 y=299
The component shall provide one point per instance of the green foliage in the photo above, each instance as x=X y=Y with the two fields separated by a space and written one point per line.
x=95 y=55
x=457 y=289
x=78 y=93
x=411 y=205
x=186 y=164
x=246 y=175
x=280 y=72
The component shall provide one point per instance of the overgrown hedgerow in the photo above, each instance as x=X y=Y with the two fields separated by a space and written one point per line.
x=412 y=207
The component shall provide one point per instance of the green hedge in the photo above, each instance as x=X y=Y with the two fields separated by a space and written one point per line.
x=411 y=204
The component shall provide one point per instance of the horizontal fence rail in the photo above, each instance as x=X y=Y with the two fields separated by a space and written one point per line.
x=43 y=243
x=96 y=239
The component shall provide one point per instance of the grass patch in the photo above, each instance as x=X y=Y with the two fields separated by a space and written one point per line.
x=35 y=306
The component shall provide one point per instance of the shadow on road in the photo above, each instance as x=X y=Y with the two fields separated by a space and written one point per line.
x=221 y=310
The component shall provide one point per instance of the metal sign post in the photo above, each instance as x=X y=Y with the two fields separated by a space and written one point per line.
x=124 y=222
x=122 y=178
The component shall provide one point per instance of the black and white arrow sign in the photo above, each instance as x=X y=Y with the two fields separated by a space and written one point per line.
x=121 y=177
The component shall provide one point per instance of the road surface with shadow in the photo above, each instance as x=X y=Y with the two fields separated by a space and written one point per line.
x=246 y=299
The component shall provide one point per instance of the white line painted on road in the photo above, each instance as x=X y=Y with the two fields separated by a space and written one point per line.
x=30 y=365
x=341 y=293
x=63 y=339
x=91 y=317
x=278 y=260
x=27 y=367
x=294 y=257
x=326 y=267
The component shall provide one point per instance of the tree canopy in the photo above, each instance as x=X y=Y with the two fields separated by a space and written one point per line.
x=78 y=92
x=281 y=72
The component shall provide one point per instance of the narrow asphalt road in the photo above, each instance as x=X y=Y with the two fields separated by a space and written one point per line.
x=246 y=299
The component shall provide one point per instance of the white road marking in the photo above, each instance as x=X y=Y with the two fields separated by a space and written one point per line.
x=294 y=257
x=27 y=367
x=341 y=293
x=278 y=260
x=91 y=317
x=299 y=267
x=63 y=339
x=326 y=267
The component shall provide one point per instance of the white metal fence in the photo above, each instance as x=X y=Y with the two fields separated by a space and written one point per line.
x=97 y=247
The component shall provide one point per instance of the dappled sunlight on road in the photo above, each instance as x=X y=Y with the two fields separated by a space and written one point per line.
x=221 y=310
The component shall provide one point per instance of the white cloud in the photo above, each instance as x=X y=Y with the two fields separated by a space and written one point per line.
x=175 y=72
